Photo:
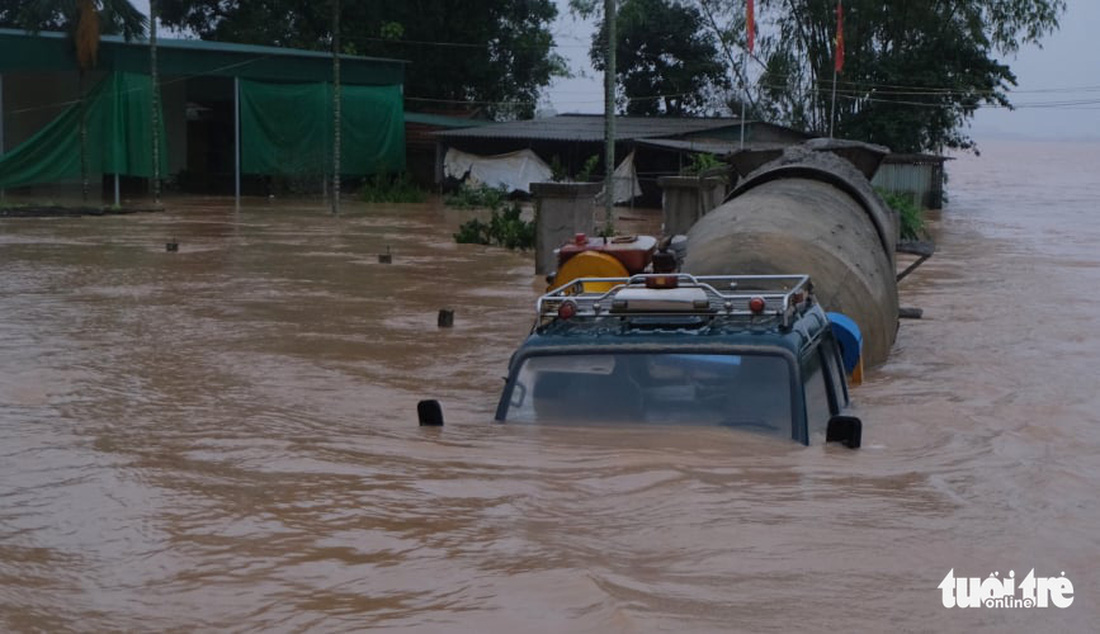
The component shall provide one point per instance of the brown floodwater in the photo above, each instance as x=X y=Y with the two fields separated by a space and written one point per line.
x=225 y=438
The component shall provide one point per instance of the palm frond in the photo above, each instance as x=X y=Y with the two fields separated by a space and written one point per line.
x=121 y=17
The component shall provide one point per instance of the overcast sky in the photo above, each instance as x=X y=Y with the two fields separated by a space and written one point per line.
x=1068 y=63
x=1070 y=58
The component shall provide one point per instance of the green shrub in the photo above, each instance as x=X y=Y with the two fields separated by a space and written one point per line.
x=505 y=229
x=558 y=174
x=589 y=167
x=472 y=197
x=391 y=188
x=701 y=162
x=909 y=213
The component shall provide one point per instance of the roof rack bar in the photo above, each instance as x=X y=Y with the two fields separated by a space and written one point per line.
x=726 y=295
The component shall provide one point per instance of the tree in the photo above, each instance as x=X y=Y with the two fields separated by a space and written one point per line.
x=85 y=21
x=496 y=54
x=914 y=72
x=667 y=61
x=114 y=17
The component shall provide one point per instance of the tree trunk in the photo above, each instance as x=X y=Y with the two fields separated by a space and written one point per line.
x=155 y=109
x=336 y=107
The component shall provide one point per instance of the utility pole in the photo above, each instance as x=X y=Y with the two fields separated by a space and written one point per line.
x=336 y=107
x=154 y=76
x=609 y=18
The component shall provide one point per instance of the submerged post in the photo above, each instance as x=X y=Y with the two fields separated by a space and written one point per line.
x=237 y=140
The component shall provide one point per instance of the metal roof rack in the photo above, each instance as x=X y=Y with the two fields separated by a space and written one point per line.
x=652 y=295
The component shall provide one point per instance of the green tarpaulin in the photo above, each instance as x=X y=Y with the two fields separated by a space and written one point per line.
x=287 y=129
x=117 y=112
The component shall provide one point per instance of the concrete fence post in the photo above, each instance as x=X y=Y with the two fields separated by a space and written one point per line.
x=562 y=210
x=685 y=199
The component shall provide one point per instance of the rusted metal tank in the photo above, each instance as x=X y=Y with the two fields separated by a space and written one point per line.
x=811 y=211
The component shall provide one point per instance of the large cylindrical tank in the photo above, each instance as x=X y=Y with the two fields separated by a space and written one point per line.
x=810 y=211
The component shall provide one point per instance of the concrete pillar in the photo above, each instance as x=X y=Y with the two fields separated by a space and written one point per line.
x=562 y=210
x=685 y=199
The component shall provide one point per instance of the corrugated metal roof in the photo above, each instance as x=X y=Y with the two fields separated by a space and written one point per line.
x=444 y=121
x=712 y=147
x=915 y=158
x=579 y=127
x=51 y=51
x=205 y=45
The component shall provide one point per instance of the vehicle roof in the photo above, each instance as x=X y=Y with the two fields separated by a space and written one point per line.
x=679 y=332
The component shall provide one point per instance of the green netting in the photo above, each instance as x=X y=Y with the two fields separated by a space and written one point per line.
x=117 y=111
x=287 y=129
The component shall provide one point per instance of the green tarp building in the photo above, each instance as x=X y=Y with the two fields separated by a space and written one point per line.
x=227 y=110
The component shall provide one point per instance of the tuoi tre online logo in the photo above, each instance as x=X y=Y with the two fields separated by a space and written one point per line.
x=997 y=592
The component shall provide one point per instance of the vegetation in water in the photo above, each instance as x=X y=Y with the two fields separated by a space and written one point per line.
x=701 y=162
x=588 y=169
x=391 y=188
x=559 y=173
x=478 y=196
x=909 y=213
x=505 y=229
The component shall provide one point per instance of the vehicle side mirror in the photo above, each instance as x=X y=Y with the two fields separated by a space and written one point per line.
x=430 y=413
x=846 y=430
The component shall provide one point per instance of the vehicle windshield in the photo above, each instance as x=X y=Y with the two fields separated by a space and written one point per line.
x=750 y=391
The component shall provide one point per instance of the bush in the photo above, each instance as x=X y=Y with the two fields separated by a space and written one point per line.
x=910 y=214
x=472 y=197
x=701 y=162
x=391 y=188
x=505 y=229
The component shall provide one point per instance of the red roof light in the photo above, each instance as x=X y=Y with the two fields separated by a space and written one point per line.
x=567 y=310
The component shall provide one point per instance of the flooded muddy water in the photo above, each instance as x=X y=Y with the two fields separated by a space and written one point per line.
x=225 y=438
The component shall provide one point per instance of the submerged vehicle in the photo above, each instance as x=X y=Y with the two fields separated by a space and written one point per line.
x=623 y=337
x=753 y=352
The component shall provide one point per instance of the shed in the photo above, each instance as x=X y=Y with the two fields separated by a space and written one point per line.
x=920 y=175
x=572 y=139
x=227 y=110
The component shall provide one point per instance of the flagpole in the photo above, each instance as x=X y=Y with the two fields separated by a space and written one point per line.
x=750 y=40
x=744 y=92
x=838 y=60
x=832 y=111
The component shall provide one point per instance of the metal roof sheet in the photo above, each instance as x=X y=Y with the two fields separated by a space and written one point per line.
x=580 y=127
x=51 y=51
x=444 y=121
x=689 y=145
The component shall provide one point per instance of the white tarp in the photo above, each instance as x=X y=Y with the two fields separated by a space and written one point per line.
x=514 y=171
x=517 y=170
x=626 y=187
